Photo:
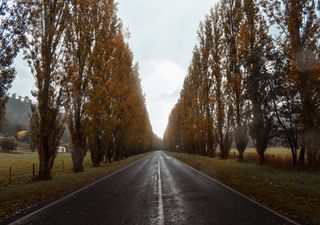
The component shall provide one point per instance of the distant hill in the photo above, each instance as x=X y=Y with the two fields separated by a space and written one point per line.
x=17 y=115
x=18 y=109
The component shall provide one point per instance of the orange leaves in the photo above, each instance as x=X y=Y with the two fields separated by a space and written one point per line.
x=116 y=113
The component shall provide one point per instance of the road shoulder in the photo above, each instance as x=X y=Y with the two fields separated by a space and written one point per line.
x=270 y=187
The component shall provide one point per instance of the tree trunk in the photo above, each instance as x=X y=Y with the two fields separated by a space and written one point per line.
x=241 y=138
x=97 y=153
x=294 y=156
x=312 y=158
x=78 y=154
x=302 y=155
x=110 y=153
x=45 y=166
x=261 y=158
x=241 y=156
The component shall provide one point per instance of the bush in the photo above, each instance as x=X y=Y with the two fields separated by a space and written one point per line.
x=8 y=144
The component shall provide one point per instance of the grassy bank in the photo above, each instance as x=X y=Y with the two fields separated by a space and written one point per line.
x=291 y=192
x=23 y=192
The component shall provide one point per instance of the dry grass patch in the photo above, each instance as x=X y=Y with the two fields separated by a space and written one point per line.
x=279 y=157
x=292 y=192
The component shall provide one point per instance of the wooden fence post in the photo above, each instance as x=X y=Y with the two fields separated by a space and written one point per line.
x=10 y=174
x=33 y=170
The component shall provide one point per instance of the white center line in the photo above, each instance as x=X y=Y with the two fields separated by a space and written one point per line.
x=161 y=214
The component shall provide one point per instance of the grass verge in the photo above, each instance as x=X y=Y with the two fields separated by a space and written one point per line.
x=291 y=192
x=24 y=193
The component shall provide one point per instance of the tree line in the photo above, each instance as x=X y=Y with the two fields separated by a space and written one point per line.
x=84 y=77
x=255 y=71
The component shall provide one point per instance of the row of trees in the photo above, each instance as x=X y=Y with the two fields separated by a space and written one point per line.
x=255 y=71
x=85 y=78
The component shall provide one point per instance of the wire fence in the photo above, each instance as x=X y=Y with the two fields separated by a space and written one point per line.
x=17 y=170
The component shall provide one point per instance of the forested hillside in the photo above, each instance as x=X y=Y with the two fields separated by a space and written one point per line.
x=17 y=115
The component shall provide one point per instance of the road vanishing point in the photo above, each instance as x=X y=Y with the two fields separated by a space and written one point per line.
x=157 y=190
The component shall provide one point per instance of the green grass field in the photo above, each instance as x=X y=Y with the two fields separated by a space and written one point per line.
x=292 y=192
x=23 y=192
x=22 y=166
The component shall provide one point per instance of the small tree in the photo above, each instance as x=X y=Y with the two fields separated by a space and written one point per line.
x=8 y=144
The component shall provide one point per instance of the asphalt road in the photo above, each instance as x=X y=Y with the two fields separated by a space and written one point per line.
x=156 y=190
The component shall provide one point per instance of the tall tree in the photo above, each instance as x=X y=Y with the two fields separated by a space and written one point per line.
x=286 y=105
x=298 y=22
x=172 y=133
x=79 y=42
x=12 y=28
x=137 y=133
x=223 y=114
x=205 y=100
x=191 y=105
x=231 y=19
x=107 y=31
x=257 y=59
x=121 y=93
x=48 y=21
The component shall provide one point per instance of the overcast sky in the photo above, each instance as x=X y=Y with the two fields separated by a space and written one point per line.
x=163 y=34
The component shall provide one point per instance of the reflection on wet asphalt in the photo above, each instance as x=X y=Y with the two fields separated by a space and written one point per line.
x=157 y=190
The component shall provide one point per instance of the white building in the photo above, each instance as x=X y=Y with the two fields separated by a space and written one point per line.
x=62 y=149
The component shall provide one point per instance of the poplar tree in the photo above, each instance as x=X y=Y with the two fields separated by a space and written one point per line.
x=298 y=23
x=79 y=42
x=190 y=113
x=222 y=113
x=257 y=58
x=46 y=33
x=107 y=29
x=231 y=13
x=120 y=95
x=205 y=100
x=172 y=134
x=286 y=105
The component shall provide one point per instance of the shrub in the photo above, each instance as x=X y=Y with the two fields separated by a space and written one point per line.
x=8 y=144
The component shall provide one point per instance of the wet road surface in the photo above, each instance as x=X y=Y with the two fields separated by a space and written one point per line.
x=157 y=190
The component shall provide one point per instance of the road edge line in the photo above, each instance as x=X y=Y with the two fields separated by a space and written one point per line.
x=22 y=219
x=237 y=192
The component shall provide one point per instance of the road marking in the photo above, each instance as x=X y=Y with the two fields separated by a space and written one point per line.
x=237 y=192
x=161 y=214
x=155 y=184
x=23 y=219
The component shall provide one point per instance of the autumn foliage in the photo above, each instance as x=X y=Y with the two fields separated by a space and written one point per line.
x=255 y=71
x=85 y=78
